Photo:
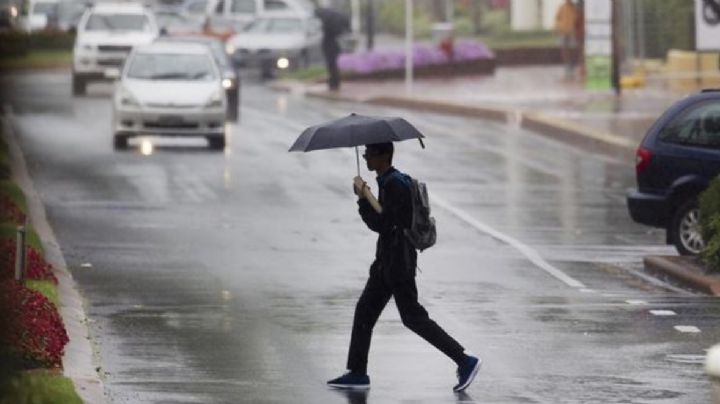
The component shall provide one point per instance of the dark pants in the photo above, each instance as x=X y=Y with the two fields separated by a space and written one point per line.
x=331 y=53
x=413 y=315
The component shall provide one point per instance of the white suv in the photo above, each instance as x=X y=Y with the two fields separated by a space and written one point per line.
x=105 y=35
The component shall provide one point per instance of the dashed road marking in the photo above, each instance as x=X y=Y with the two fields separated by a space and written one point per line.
x=636 y=302
x=687 y=329
x=662 y=312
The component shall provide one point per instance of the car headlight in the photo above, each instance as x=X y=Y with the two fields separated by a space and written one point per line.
x=127 y=99
x=229 y=48
x=283 y=63
x=227 y=83
x=13 y=11
x=215 y=101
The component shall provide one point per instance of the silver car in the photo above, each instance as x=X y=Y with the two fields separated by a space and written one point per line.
x=277 y=43
x=169 y=89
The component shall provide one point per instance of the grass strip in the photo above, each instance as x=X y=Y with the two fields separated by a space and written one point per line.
x=16 y=194
x=312 y=73
x=38 y=59
x=9 y=230
x=39 y=387
x=47 y=288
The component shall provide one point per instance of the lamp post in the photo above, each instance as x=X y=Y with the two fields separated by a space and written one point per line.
x=408 y=45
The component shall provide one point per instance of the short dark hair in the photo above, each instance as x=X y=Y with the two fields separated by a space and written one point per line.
x=381 y=148
x=386 y=148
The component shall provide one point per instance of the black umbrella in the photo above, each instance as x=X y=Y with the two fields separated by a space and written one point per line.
x=334 y=22
x=356 y=130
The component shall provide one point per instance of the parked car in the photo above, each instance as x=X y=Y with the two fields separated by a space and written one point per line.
x=42 y=14
x=168 y=89
x=676 y=160
x=243 y=12
x=230 y=77
x=105 y=35
x=174 y=21
x=277 y=43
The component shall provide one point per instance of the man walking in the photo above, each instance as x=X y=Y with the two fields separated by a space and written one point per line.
x=334 y=24
x=392 y=274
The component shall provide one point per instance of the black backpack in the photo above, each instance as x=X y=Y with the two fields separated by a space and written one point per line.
x=422 y=233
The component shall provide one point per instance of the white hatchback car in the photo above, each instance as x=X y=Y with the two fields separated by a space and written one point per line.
x=105 y=35
x=170 y=89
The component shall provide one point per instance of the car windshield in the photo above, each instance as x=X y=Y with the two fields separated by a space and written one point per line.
x=117 y=22
x=275 y=25
x=171 y=66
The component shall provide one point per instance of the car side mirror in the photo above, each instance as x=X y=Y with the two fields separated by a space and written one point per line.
x=163 y=31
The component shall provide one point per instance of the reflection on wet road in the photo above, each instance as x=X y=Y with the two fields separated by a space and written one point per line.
x=232 y=277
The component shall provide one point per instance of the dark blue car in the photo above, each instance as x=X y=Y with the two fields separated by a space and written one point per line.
x=676 y=160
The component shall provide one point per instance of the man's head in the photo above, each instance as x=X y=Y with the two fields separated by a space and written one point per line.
x=378 y=156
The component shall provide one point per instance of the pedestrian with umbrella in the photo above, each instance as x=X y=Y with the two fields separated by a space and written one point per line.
x=334 y=24
x=392 y=274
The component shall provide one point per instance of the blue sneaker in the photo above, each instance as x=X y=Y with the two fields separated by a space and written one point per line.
x=466 y=373
x=351 y=381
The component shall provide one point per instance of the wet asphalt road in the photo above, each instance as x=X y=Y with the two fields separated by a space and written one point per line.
x=232 y=277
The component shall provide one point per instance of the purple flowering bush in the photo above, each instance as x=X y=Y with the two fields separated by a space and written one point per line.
x=423 y=55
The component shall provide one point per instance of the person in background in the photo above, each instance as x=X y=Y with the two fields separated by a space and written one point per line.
x=334 y=24
x=565 y=25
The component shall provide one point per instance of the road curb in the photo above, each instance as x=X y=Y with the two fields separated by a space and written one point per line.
x=555 y=128
x=684 y=271
x=79 y=355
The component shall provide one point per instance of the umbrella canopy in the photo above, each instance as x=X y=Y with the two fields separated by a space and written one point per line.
x=334 y=22
x=355 y=130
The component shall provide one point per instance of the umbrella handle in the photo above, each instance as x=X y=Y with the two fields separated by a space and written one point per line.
x=357 y=160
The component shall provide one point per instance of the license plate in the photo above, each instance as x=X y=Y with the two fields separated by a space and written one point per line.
x=170 y=119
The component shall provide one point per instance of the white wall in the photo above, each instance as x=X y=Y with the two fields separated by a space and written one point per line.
x=526 y=15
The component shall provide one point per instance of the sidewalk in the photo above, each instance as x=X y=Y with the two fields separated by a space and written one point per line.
x=538 y=98
x=542 y=100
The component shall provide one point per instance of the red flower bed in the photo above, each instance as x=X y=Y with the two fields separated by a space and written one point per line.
x=9 y=211
x=35 y=334
x=36 y=266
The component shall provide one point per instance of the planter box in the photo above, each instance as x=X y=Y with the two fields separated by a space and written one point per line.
x=470 y=67
x=528 y=56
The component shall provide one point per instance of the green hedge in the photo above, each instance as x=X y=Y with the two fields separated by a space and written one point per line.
x=710 y=223
x=14 y=43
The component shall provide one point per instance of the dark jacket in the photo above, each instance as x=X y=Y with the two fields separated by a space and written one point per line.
x=395 y=257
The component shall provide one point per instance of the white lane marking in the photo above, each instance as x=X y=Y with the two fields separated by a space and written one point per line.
x=524 y=249
x=636 y=302
x=686 y=358
x=662 y=312
x=587 y=291
x=687 y=328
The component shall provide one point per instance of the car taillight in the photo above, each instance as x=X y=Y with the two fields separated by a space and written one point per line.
x=642 y=159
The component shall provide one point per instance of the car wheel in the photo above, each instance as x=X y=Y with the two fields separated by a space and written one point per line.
x=232 y=109
x=78 y=85
x=216 y=142
x=120 y=141
x=685 y=231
